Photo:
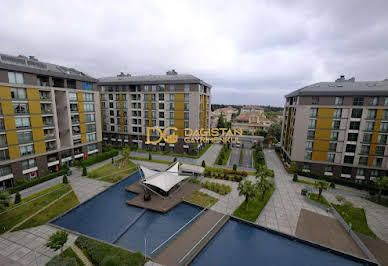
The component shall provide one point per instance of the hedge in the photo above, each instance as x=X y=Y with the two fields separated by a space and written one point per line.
x=99 y=158
x=99 y=253
x=221 y=189
x=37 y=181
x=226 y=174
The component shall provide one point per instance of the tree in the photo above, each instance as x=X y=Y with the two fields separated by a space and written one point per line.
x=275 y=130
x=149 y=156
x=64 y=179
x=380 y=183
x=203 y=163
x=18 y=198
x=264 y=186
x=221 y=122
x=125 y=154
x=261 y=132
x=321 y=185
x=84 y=171
x=57 y=240
x=248 y=189
x=235 y=167
x=295 y=178
x=264 y=171
x=174 y=159
x=4 y=200
x=293 y=168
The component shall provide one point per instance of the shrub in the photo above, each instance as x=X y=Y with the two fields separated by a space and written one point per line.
x=235 y=167
x=64 y=179
x=174 y=159
x=149 y=156
x=332 y=185
x=99 y=158
x=84 y=171
x=110 y=261
x=203 y=163
x=293 y=168
x=340 y=198
x=18 y=198
x=218 y=188
x=295 y=178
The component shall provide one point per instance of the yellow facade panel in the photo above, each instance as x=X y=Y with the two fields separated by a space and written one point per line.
x=9 y=122
x=180 y=115
x=37 y=134
x=370 y=160
x=34 y=107
x=179 y=97
x=7 y=107
x=321 y=145
x=375 y=136
x=33 y=94
x=325 y=112
x=82 y=128
x=179 y=106
x=204 y=110
x=80 y=97
x=12 y=137
x=322 y=134
x=81 y=118
x=83 y=138
x=5 y=92
x=372 y=149
x=324 y=123
x=379 y=114
x=377 y=125
x=81 y=107
x=36 y=121
x=39 y=147
x=14 y=152
x=319 y=156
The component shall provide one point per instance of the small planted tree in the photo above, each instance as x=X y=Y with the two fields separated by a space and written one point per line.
x=125 y=153
x=248 y=189
x=235 y=167
x=293 y=168
x=174 y=159
x=149 y=157
x=84 y=171
x=264 y=186
x=57 y=241
x=380 y=183
x=4 y=200
x=203 y=163
x=64 y=179
x=321 y=185
x=18 y=198
x=295 y=178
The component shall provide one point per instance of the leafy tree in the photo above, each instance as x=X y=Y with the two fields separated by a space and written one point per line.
x=174 y=159
x=380 y=183
x=125 y=153
x=18 y=198
x=235 y=167
x=203 y=163
x=275 y=130
x=264 y=172
x=295 y=178
x=264 y=186
x=64 y=179
x=293 y=168
x=149 y=156
x=4 y=200
x=84 y=171
x=221 y=122
x=261 y=132
x=321 y=185
x=57 y=240
x=248 y=189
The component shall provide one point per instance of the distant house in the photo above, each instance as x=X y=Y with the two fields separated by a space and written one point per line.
x=227 y=112
x=251 y=109
x=251 y=118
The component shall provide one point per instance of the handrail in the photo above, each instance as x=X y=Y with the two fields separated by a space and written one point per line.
x=180 y=229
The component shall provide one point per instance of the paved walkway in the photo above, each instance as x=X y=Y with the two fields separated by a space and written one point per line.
x=27 y=247
x=81 y=255
x=228 y=203
x=282 y=211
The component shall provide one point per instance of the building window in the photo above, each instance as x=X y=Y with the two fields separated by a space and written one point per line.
x=172 y=106
x=352 y=136
x=90 y=128
x=380 y=150
x=161 y=114
x=309 y=145
x=337 y=113
x=5 y=170
x=335 y=124
x=312 y=123
x=367 y=138
x=348 y=159
x=187 y=87
x=172 y=97
x=27 y=164
x=15 y=77
x=363 y=161
x=4 y=155
x=374 y=101
x=90 y=118
x=26 y=150
x=161 y=123
x=356 y=113
x=354 y=125
x=386 y=101
x=24 y=137
x=332 y=146
x=371 y=114
x=186 y=124
x=339 y=100
x=18 y=93
x=22 y=122
x=364 y=149
x=87 y=85
x=310 y=134
x=3 y=141
x=334 y=135
x=187 y=96
x=350 y=148
x=186 y=116
x=92 y=147
x=315 y=100
x=91 y=137
x=369 y=125
x=72 y=96
x=172 y=87
x=329 y=169
x=330 y=157
x=307 y=155
x=346 y=170
x=358 y=101
x=313 y=112
x=161 y=96
x=88 y=97
x=161 y=105
x=171 y=115
x=89 y=107
x=172 y=123
x=374 y=173
x=20 y=108
x=360 y=172
x=382 y=139
x=384 y=127
x=377 y=162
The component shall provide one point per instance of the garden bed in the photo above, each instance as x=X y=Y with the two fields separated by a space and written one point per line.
x=216 y=187
x=225 y=174
x=321 y=200
x=223 y=156
x=69 y=258
x=201 y=199
x=113 y=173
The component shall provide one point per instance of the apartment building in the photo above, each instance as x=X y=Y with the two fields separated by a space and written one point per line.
x=131 y=104
x=338 y=129
x=49 y=115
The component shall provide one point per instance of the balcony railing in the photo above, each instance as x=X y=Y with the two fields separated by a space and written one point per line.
x=51 y=148
x=47 y=111
x=49 y=136
x=48 y=123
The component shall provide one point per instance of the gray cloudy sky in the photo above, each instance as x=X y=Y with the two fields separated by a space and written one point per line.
x=252 y=52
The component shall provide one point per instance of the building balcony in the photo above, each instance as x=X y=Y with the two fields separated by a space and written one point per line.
x=48 y=123
x=49 y=136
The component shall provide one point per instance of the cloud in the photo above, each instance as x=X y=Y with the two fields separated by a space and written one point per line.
x=252 y=52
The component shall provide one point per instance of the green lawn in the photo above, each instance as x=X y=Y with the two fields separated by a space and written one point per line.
x=146 y=159
x=66 y=203
x=255 y=206
x=356 y=216
x=305 y=182
x=41 y=193
x=384 y=201
x=15 y=216
x=113 y=172
x=201 y=199
x=227 y=155
x=103 y=254
x=69 y=257
x=321 y=200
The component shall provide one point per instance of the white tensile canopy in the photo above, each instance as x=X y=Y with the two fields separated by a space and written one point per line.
x=163 y=180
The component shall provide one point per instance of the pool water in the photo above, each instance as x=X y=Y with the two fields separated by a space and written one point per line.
x=238 y=243
x=107 y=215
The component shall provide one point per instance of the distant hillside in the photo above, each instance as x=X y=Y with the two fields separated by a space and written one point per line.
x=267 y=108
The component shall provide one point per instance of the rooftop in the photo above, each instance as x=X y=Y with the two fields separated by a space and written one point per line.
x=33 y=65
x=171 y=77
x=343 y=87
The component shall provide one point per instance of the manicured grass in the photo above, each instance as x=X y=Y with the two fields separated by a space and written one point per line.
x=384 y=201
x=216 y=187
x=305 y=182
x=113 y=172
x=255 y=206
x=321 y=200
x=223 y=155
x=227 y=155
x=69 y=257
x=201 y=199
x=356 y=216
x=103 y=254
x=41 y=193
x=66 y=203
x=146 y=159
x=15 y=216
x=178 y=154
